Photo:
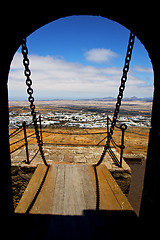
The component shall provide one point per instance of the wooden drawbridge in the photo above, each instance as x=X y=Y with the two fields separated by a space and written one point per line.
x=81 y=200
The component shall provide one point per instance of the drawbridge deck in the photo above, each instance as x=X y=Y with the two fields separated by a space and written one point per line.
x=82 y=197
x=69 y=189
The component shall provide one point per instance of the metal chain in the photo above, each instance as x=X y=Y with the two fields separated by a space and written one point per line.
x=27 y=73
x=120 y=95
x=123 y=81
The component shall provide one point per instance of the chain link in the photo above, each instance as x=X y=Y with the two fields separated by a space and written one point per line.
x=123 y=81
x=120 y=96
x=27 y=73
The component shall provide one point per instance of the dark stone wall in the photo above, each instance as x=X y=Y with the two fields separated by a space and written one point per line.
x=22 y=19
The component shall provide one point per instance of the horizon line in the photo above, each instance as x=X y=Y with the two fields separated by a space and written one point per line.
x=80 y=99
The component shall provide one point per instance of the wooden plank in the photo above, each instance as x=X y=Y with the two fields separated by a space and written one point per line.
x=58 y=200
x=44 y=201
x=79 y=198
x=88 y=186
x=74 y=191
x=31 y=189
x=94 y=185
x=107 y=198
x=69 y=189
x=121 y=198
x=69 y=203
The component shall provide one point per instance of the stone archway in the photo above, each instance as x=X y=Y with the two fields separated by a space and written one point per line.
x=21 y=23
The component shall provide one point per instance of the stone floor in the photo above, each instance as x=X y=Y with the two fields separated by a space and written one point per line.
x=66 y=153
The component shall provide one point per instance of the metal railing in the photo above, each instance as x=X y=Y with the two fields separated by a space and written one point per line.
x=110 y=140
x=25 y=138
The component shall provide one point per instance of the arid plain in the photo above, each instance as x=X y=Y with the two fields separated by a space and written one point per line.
x=136 y=138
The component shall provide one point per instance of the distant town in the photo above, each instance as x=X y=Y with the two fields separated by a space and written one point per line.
x=82 y=113
x=76 y=119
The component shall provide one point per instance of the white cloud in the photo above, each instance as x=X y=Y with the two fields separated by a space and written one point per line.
x=57 y=78
x=142 y=69
x=100 y=55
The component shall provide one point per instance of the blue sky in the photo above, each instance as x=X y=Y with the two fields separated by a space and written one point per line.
x=81 y=57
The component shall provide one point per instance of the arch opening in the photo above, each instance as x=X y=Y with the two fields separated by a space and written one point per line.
x=97 y=58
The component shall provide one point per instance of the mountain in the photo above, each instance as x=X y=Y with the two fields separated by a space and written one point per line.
x=145 y=99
